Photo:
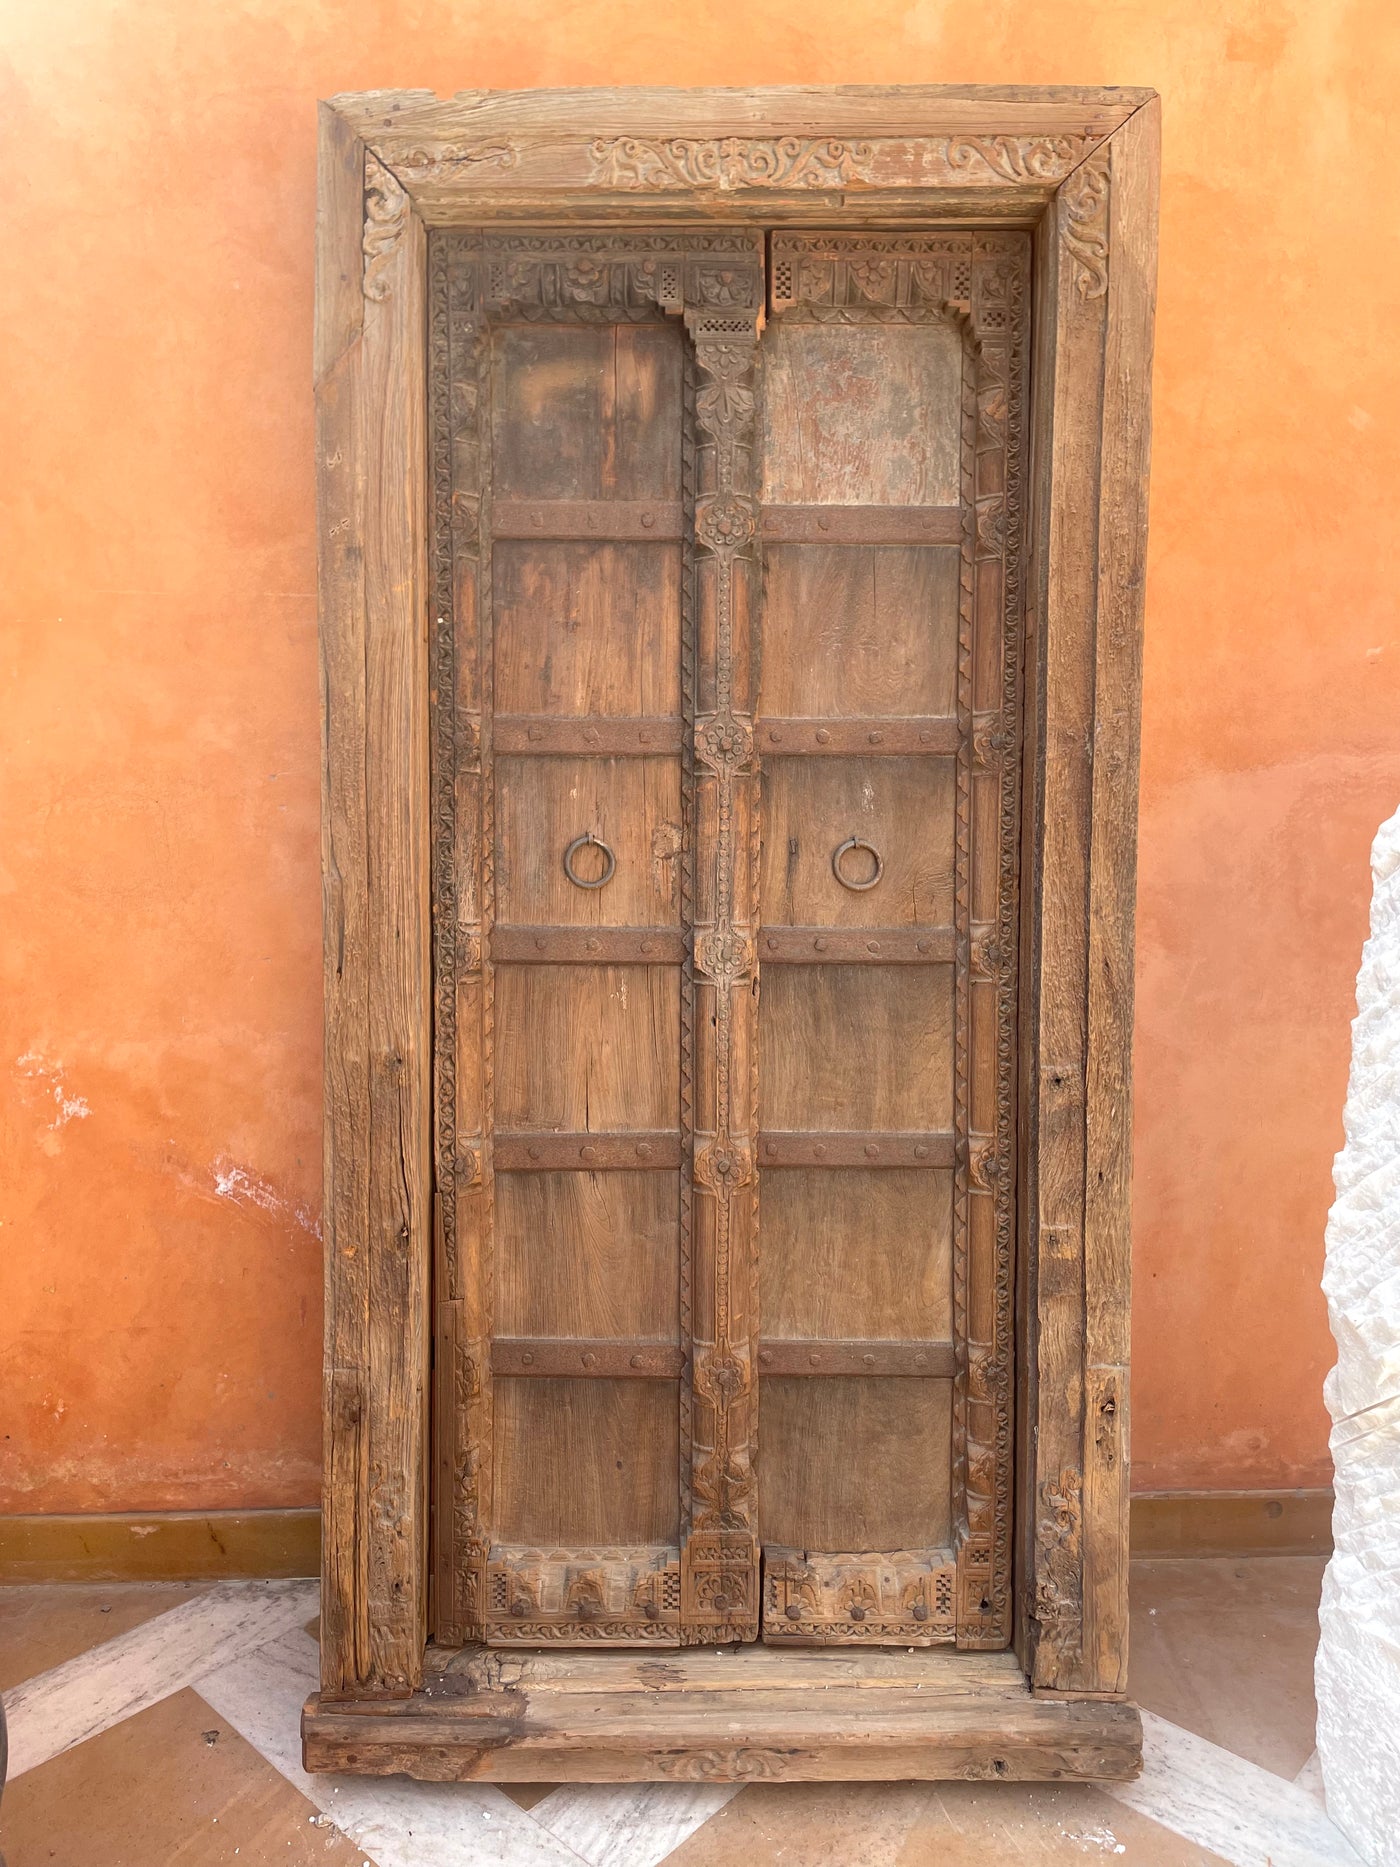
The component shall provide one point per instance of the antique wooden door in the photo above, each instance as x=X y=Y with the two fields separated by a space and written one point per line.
x=727 y=714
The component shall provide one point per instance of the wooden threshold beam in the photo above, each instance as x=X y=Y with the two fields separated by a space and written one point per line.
x=746 y=1714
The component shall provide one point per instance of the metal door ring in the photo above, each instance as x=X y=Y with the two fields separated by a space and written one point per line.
x=609 y=861
x=856 y=842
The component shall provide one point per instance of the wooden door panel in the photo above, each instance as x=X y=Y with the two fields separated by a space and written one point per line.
x=586 y=1462
x=901 y=810
x=856 y=1254
x=587 y=411
x=632 y=805
x=856 y=1048
x=859 y=631
x=587 y=1049
x=847 y=1462
x=586 y=629
x=862 y=414
x=588 y=1255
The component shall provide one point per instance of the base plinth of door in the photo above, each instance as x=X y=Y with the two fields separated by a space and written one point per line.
x=724 y=1715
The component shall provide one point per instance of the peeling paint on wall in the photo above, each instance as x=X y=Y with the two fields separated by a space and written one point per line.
x=247 y=1189
x=68 y=1107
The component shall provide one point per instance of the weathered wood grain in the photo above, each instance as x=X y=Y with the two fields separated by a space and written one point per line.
x=372 y=449
x=1096 y=283
x=752 y=1715
x=1124 y=452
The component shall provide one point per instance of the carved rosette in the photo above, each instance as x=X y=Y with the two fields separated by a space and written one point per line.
x=725 y=957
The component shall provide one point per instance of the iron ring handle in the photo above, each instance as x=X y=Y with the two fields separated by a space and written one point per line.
x=609 y=861
x=856 y=842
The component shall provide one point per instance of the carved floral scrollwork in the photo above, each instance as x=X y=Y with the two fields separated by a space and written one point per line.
x=722 y=1377
x=1019 y=158
x=985 y=953
x=440 y=158
x=1085 y=197
x=1059 y=1590
x=724 y=1766
x=727 y=400
x=990 y=741
x=728 y=162
x=984 y=1165
x=386 y=215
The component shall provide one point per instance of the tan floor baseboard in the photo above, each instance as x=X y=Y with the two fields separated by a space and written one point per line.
x=189 y=1546
x=1231 y=1523
x=160 y=1546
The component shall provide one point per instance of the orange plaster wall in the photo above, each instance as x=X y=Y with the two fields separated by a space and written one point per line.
x=159 y=966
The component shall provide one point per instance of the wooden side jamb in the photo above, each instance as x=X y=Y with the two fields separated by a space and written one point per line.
x=1095 y=275
x=1124 y=455
x=370 y=375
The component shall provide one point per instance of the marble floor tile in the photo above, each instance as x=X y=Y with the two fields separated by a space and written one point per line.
x=1224 y=1647
x=40 y=1626
x=930 y=1825
x=172 y=1786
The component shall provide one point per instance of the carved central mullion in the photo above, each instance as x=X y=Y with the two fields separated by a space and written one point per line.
x=720 y=1562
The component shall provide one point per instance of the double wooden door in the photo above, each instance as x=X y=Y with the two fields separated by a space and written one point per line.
x=727 y=628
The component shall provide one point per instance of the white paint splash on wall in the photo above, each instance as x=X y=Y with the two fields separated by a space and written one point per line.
x=247 y=1189
x=49 y=1076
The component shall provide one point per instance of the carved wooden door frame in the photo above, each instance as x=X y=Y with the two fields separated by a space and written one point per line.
x=1079 y=168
